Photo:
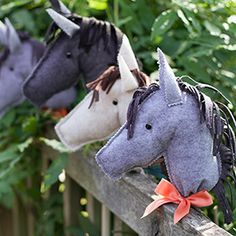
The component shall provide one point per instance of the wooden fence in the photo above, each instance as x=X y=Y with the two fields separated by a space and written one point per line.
x=122 y=202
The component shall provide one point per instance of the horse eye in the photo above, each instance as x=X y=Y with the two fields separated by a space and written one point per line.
x=115 y=102
x=68 y=54
x=11 y=68
x=148 y=126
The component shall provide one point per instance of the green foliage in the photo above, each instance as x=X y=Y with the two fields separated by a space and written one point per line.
x=198 y=36
x=51 y=176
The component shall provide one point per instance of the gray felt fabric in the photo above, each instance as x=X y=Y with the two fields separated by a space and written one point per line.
x=16 y=65
x=91 y=51
x=176 y=133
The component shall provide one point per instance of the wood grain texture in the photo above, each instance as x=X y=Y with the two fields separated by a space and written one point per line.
x=128 y=197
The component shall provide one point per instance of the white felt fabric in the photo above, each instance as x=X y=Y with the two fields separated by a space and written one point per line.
x=83 y=125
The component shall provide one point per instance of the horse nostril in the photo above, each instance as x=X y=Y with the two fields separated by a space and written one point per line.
x=148 y=126
x=11 y=68
x=115 y=102
x=68 y=54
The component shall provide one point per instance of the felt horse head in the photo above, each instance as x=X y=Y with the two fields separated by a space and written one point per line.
x=104 y=109
x=19 y=56
x=75 y=45
x=177 y=121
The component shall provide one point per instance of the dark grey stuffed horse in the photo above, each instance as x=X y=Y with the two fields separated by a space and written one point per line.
x=83 y=46
x=17 y=60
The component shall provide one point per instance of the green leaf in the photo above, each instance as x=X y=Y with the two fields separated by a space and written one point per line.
x=9 y=154
x=25 y=19
x=30 y=125
x=192 y=18
x=25 y=144
x=99 y=5
x=8 y=118
x=54 y=144
x=213 y=29
x=53 y=171
x=163 y=23
x=124 y=21
x=10 y=167
x=186 y=22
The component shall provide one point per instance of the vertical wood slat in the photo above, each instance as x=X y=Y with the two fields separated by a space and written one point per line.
x=29 y=212
x=117 y=229
x=19 y=218
x=106 y=221
x=90 y=207
x=94 y=210
x=71 y=204
x=6 y=223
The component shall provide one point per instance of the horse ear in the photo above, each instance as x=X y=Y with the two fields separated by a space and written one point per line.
x=13 y=39
x=128 y=54
x=65 y=24
x=168 y=81
x=3 y=34
x=60 y=7
x=128 y=81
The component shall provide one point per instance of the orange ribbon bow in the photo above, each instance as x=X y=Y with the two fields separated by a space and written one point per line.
x=168 y=193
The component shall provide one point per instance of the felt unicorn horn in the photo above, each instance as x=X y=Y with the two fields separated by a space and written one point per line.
x=60 y=7
x=168 y=83
x=3 y=33
x=128 y=81
x=66 y=25
x=13 y=39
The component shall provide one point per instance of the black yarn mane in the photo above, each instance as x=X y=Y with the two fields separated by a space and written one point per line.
x=217 y=117
x=140 y=95
x=91 y=31
x=107 y=79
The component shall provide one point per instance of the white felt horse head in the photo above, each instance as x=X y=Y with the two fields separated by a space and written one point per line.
x=104 y=109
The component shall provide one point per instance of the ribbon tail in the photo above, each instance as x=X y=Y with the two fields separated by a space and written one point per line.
x=154 y=205
x=182 y=210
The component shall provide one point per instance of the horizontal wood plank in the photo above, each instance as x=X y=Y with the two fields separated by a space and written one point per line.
x=128 y=198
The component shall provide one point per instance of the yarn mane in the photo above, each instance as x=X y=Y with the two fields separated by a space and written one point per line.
x=215 y=114
x=107 y=79
x=91 y=31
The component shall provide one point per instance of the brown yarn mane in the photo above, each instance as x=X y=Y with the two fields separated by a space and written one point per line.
x=107 y=79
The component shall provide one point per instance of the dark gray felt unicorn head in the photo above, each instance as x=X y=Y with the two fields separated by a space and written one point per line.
x=82 y=46
x=17 y=59
x=177 y=121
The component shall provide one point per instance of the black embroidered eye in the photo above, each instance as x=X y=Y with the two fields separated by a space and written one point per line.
x=11 y=68
x=148 y=126
x=115 y=102
x=68 y=54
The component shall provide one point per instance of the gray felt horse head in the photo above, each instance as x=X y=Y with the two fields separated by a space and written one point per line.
x=177 y=121
x=19 y=56
x=76 y=46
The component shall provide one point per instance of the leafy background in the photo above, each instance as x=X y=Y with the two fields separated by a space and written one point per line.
x=199 y=36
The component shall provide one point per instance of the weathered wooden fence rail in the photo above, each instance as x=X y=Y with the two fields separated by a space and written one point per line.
x=128 y=198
